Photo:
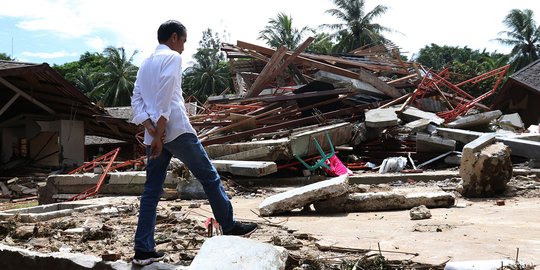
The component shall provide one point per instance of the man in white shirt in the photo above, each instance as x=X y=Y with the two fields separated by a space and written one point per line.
x=158 y=104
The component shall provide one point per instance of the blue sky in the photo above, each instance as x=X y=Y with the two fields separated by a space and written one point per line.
x=59 y=31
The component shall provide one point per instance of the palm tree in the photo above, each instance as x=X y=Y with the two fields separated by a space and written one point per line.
x=524 y=35
x=118 y=78
x=356 y=28
x=207 y=77
x=211 y=73
x=280 y=31
x=87 y=80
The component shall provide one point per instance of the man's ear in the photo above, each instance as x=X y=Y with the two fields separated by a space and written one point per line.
x=174 y=37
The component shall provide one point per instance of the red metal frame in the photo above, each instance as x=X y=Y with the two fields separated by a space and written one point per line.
x=111 y=156
x=432 y=80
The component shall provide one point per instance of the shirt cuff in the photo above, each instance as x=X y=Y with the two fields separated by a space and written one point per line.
x=138 y=119
x=165 y=114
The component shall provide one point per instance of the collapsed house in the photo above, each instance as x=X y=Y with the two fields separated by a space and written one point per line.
x=521 y=94
x=44 y=119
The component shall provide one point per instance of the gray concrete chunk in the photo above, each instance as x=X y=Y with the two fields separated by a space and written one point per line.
x=427 y=143
x=475 y=120
x=381 y=118
x=398 y=199
x=237 y=253
x=299 y=197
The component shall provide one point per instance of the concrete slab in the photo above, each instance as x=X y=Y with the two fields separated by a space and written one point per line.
x=378 y=118
x=396 y=199
x=279 y=146
x=245 y=168
x=434 y=144
x=47 y=212
x=520 y=147
x=253 y=154
x=237 y=253
x=475 y=120
x=12 y=258
x=512 y=120
x=377 y=178
x=418 y=125
x=412 y=114
x=302 y=144
x=299 y=197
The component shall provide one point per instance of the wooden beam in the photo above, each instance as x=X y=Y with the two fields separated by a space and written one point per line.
x=361 y=75
x=279 y=68
x=289 y=124
x=8 y=104
x=25 y=95
x=266 y=73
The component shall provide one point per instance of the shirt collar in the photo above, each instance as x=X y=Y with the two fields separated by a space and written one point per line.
x=162 y=47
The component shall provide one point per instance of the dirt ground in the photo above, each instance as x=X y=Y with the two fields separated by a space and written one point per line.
x=472 y=230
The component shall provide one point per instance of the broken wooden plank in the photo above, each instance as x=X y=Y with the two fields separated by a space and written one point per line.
x=361 y=75
x=264 y=78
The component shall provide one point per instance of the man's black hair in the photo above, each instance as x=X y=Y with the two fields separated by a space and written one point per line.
x=169 y=27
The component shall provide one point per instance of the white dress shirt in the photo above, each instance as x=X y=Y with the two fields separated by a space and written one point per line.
x=158 y=92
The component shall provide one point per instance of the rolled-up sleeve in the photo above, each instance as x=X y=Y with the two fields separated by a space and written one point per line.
x=137 y=104
x=169 y=79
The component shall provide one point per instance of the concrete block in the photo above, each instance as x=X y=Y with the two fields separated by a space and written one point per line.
x=237 y=253
x=412 y=114
x=381 y=118
x=246 y=168
x=280 y=149
x=475 y=120
x=398 y=199
x=485 y=173
x=418 y=125
x=512 y=120
x=478 y=144
x=434 y=144
x=299 y=197
x=253 y=154
x=460 y=135
x=75 y=179
x=136 y=178
x=302 y=144
x=47 y=212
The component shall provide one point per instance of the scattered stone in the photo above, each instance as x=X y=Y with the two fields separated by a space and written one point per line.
x=420 y=212
x=24 y=232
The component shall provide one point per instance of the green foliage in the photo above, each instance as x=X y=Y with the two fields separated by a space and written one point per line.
x=117 y=80
x=523 y=35
x=323 y=44
x=280 y=31
x=210 y=75
x=106 y=78
x=4 y=56
x=89 y=64
x=356 y=28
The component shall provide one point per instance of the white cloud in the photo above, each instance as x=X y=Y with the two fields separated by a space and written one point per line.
x=96 y=43
x=52 y=55
x=133 y=24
